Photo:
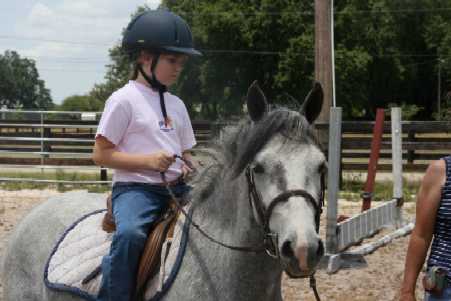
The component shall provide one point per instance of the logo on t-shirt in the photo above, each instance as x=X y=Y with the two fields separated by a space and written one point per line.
x=166 y=126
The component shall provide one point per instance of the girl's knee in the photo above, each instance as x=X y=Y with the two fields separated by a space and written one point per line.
x=131 y=234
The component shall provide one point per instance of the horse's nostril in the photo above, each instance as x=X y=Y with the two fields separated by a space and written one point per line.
x=320 y=251
x=287 y=251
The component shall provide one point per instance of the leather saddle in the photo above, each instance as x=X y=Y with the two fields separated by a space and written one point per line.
x=151 y=256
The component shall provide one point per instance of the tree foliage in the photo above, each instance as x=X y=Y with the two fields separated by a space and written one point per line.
x=243 y=42
x=20 y=85
x=387 y=52
x=118 y=71
x=81 y=103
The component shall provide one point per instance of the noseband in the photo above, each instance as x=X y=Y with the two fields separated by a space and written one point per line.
x=264 y=214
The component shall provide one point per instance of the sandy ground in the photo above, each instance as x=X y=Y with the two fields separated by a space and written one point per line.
x=379 y=280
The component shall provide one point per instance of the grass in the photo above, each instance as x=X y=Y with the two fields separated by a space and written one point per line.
x=351 y=188
x=53 y=175
x=383 y=190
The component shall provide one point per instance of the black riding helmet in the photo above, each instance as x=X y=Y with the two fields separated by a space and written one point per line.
x=158 y=31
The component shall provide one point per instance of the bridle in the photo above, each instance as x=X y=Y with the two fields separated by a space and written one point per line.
x=264 y=214
x=270 y=242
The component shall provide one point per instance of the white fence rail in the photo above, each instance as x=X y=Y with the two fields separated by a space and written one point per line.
x=55 y=140
x=25 y=144
x=366 y=224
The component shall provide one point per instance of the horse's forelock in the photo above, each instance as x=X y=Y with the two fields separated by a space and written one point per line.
x=240 y=146
x=249 y=139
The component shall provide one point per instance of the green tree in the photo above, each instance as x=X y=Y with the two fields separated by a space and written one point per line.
x=82 y=103
x=20 y=85
x=383 y=51
x=245 y=41
x=118 y=71
x=368 y=69
x=278 y=36
x=387 y=52
x=437 y=39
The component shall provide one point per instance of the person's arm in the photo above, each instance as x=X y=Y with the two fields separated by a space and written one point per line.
x=106 y=154
x=428 y=201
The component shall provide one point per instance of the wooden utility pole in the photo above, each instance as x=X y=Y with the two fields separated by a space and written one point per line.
x=323 y=54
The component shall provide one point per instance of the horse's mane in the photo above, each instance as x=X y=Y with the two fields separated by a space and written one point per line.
x=239 y=146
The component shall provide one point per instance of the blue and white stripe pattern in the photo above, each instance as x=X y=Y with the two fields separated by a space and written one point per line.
x=441 y=245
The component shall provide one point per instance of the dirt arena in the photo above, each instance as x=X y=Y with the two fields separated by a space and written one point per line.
x=380 y=280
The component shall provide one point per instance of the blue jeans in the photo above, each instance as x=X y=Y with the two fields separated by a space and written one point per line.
x=445 y=297
x=135 y=207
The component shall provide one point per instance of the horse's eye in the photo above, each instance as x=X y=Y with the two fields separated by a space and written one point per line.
x=258 y=168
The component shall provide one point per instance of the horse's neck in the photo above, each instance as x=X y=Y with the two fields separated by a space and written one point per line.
x=228 y=217
x=227 y=213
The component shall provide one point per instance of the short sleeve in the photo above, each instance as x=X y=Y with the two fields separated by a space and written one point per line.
x=187 y=137
x=114 y=121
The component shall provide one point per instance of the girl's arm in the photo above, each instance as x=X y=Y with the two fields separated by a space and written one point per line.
x=105 y=154
x=428 y=201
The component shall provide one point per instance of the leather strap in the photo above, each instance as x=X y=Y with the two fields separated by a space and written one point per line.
x=108 y=224
x=150 y=258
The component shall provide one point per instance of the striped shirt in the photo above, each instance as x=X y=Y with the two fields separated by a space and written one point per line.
x=440 y=254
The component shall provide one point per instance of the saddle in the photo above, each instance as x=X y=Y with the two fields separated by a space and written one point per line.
x=151 y=256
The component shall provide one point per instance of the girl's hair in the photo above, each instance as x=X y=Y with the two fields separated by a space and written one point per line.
x=134 y=65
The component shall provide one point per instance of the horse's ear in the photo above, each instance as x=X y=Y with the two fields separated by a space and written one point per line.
x=313 y=103
x=256 y=102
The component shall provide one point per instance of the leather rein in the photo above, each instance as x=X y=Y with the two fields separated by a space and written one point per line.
x=270 y=242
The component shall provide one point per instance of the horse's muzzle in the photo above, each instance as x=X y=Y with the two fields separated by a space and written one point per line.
x=301 y=261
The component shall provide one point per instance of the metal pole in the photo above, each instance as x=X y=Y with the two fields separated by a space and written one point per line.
x=396 y=139
x=42 y=140
x=374 y=157
x=333 y=180
x=332 y=43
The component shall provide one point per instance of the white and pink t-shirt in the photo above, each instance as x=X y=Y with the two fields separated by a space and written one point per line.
x=132 y=120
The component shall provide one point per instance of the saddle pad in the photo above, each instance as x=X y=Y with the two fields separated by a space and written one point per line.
x=80 y=251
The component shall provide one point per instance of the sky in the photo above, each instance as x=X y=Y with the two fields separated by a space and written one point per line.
x=68 y=39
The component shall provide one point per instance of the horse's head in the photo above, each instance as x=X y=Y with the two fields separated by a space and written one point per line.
x=285 y=168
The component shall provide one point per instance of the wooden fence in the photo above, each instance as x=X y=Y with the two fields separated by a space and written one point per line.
x=422 y=142
x=60 y=142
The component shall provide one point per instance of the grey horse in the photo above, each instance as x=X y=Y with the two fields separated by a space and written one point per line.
x=267 y=178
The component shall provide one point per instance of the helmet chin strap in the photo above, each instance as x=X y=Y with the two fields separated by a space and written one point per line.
x=154 y=83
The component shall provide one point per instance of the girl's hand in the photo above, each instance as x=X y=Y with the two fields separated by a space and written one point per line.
x=161 y=160
x=186 y=170
x=188 y=167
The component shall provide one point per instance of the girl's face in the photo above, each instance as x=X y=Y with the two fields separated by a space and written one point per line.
x=168 y=68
